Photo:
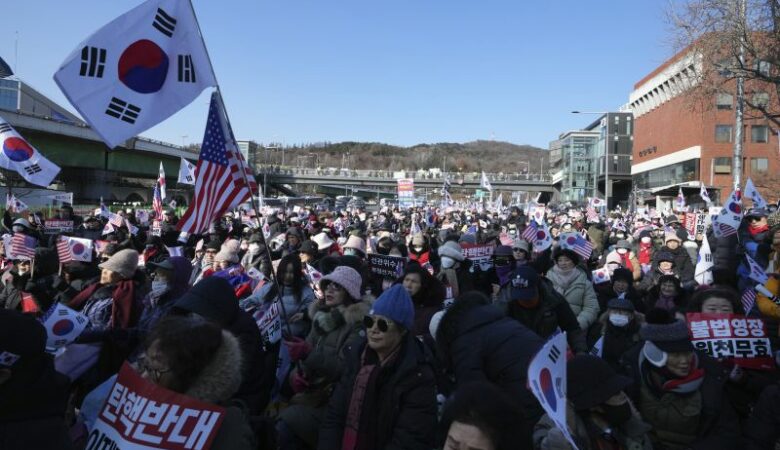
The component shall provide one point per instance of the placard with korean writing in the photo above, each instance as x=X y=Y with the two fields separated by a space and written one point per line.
x=269 y=320
x=386 y=266
x=58 y=226
x=741 y=339
x=140 y=415
x=479 y=254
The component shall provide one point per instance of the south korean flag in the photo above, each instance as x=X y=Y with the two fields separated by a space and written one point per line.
x=137 y=70
x=186 y=172
x=17 y=154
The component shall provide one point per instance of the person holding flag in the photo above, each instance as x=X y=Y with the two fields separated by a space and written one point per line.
x=755 y=242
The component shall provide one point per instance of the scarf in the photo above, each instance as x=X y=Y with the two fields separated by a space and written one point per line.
x=422 y=258
x=360 y=423
x=645 y=252
x=665 y=302
x=754 y=230
x=124 y=309
x=503 y=273
x=664 y=381
x=626 y=258
x=566 y=278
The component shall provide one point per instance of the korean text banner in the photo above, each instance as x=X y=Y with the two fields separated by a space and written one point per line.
x=140 y=415
x=741 y=339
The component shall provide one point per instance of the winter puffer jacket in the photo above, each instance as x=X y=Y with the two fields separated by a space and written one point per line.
x=579 y=293
x=334 y=328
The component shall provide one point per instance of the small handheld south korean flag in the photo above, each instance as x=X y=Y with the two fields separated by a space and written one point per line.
x=137 y=70
x=63 y=325
x=680 y=201
x=600 y=275
x=485 y=183
x=705 y=195
x=752 y=193
x=543 y=238
x=17 y=154
x=757 y=273
x=186 y=172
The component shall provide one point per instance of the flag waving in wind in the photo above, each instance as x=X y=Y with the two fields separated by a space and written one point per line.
x=17 y=154
x=705 y=195
x=161 y=181
x=221 y=176
x=485 y=183
x=138 y=70
x=752 y=193
x=680 y=202
x=186 y=172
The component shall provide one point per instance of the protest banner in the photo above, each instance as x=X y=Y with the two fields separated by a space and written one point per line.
x=691 y=223
x=743 y=340
x=269 y=320
x=386 y=266
x=63 y=325
x=156 y=228
x=405 y=192
x=479 y=254
x=547 y=379
x=140 y=415
x=58 y=226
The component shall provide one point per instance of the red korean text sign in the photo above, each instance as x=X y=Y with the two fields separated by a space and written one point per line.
x=741 y=339
x=140 y=415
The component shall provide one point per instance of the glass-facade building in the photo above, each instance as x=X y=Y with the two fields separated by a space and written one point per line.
x=9 y=94
x=577 y=165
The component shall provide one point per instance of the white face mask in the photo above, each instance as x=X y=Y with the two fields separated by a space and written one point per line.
x=17 y=228
x=622 y=251
x=253 y=248
x=618 y=320
x=418 y=249
x=646 y=239
x=447 y=262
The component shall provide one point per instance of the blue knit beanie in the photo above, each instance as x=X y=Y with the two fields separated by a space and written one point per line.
x=396 y=305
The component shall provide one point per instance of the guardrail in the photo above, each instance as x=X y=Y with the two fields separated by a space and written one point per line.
x=455 y=178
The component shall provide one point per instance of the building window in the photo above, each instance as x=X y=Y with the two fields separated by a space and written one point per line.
x=760 y=99
x=762 y=67
x=723 y=133
x=724 y=100
x=721 y=165
x=759 y=133
x=724 y=67
x=759 y=165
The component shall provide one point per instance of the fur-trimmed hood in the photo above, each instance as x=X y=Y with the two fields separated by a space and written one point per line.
x=351 y=314
x=221 y=378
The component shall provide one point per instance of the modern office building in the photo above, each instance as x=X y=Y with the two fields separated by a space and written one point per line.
x=249 y=150
x=677 y=146
x=595 y=161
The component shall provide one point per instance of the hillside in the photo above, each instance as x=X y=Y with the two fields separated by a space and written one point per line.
x=490 y=156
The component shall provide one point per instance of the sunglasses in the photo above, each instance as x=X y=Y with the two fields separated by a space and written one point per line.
x=382 y=324
x=501 y=262
x=518 y=249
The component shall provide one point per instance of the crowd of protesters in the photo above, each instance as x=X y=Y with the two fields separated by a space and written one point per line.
x=435 y=358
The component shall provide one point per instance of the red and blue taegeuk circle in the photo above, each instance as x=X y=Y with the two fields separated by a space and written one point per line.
x=143 y=67
x=63 y=327
x=735 y=208
x=17 y=149
x=571 y=240
x=541 y=234
x=548 y=389
x=78 y=248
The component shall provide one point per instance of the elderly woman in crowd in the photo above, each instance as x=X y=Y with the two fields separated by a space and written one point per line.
x=572 y=283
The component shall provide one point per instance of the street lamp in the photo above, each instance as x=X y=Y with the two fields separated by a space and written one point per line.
x=606 y=154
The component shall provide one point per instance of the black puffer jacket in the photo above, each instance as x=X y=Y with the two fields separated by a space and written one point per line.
x=480 y=343
x=406 y=400
x=214 y=299
x=682 y=263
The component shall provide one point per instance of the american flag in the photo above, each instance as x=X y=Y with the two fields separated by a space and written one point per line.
x=576 y=243
x=529 y=234
x=593 y=216
x=157 y=203
x=23 y=245
x=748 y=299
x=74 y=249
x=222 y=179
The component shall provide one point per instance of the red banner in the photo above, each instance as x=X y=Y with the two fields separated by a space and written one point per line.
x=741 y=339
x=140 y=415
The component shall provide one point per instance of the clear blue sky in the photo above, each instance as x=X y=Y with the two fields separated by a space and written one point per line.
x=395 y=71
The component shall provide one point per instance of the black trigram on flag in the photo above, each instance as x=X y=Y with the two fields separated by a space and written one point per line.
x=123 y=110
x=4 y=128
x=186 y=69
x=33 y=169
x=189 y=178
x=554 y=354
x=93 y=61
x=164 y=23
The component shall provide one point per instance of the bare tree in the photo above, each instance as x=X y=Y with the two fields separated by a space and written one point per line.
x=711 y=32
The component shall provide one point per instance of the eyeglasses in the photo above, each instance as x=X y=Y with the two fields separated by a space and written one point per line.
x=382 y=324
x=501 y=262
x=143 y=367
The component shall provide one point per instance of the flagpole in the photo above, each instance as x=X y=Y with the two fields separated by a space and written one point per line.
x=246 y=180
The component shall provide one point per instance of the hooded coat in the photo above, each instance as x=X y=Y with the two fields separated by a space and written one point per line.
x=482 y=344
x=333 y=329
x=214 y=299
x=580 y=295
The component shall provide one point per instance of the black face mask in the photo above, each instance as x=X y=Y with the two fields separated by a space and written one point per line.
x=617 y=414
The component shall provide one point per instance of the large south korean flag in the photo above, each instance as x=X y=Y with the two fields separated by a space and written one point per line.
x=138 y=70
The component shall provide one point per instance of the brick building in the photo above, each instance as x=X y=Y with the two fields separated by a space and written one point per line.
x=676 y=145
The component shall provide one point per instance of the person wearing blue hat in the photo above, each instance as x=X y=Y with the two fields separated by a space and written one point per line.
x=386 y=397
x=533 y=301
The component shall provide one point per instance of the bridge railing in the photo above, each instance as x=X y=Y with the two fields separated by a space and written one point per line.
x=391 y=175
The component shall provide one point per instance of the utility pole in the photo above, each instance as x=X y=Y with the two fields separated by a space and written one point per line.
x=740 y=107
